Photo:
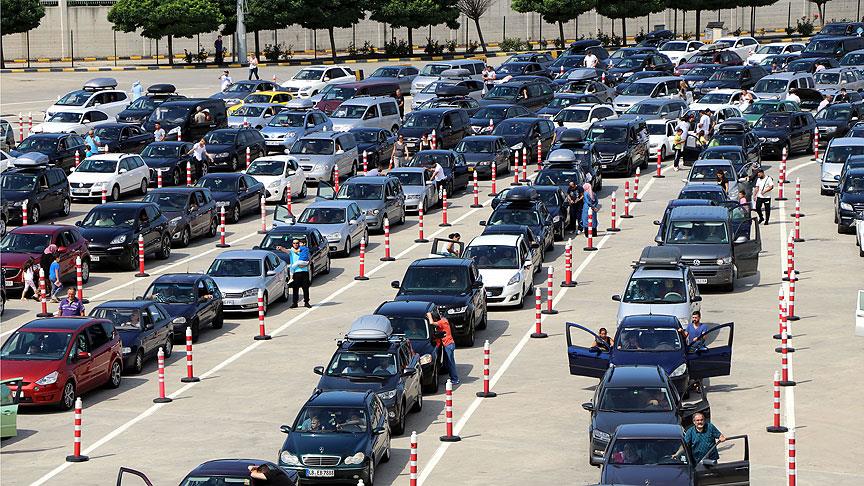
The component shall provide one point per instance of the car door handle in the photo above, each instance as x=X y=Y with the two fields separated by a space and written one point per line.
x=7 y=412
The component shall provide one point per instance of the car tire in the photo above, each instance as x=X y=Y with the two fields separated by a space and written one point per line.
x=347 y=251
x=432 y=386
x=85 y=271
x=115 y=193
x=196 y=330
x=264 y=303
x=326 y=266
x=165 y=249
x=369 y=475
x=304 y=191
x=354 y=168
x=663 y=153
x=286 y=292
x=386 y=456
x=67 y=396
x=214 y=227
x=399 y=428
x=177 y=176
x=137 y=363
x=219 y=320
x=467 y=341
x=33 y=215
x=67 y=207
x=418 y=405
x=185 y=237
x=235 y=214
x=484 y=321
x=143 y=188
x=132 y=259
x=115 y=377
x=168 y=347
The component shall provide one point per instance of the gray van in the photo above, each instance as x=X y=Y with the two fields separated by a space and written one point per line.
x=367 y=112
x=659 y=87
x=320 y=153
x=433 y=71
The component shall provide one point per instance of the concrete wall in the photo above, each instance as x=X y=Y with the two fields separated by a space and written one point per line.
x=92 y=36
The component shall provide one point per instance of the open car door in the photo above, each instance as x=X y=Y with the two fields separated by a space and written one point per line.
x=728 y=462
x=283 y=216
x=131 y=481
x=587 y=360
x=441 y=248
x=747 y=242
x=10 y=396
x=325 y=191
x=711 y=355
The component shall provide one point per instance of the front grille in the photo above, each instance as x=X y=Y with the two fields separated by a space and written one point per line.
x=607 y=157
x=230 y=295
x=307 y=167
x=703 y=273
x=10 y=272
x=319 y=460
x=858 y=206
x=494 y=291
x=291 y=90
x=81 y=184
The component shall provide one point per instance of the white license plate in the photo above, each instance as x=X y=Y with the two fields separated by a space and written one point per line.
x=9 y=283
x=273 y=142
x=701 y=280
x=320 y=473
x=604 y=166
x=81 y=191
x=229 y=302
x=94 y=258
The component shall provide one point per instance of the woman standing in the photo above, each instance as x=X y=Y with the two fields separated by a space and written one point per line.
x=29 y=270
x=589 y=203
x=721 y=179
x=400 y=152
x=424 y=143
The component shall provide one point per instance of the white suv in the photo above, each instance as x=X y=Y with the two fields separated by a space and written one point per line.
x=79 y=122
x=743 y=46
x=310 y=80
x=506 y=265
x=116 y=173
x=97 y=93
x=277 y=172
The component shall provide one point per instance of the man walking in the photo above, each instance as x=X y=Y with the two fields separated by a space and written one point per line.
x=225 y=80
x=253 y=67
x=54 y=277
x=449 y=345
x=299 y=256
x=217 y=46
x=701 y=437
x=762 y=195
x=696 y=330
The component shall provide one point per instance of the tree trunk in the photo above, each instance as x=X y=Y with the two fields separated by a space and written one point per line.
x=257 y=46
x=675 y=21
x=332 y=42
x=561 y=33
x=698 y=23
x=753 y=21
x=480 y=35
x=2 y=59
x=410 y=41
x=170 y=50
x=623 y=32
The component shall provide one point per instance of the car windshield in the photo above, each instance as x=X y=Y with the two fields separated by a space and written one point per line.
x=698 y=233
x=434 y=69
x=271 y=241
x=362 y=363
x=834 y=113
x=655 y=290
x=607 y=134
x=493 y=256
x=337 y=93
x=171 y=293
x=28 y=345
x=629 y=62
x=422 y=119
x=349 y=111
x=561 y=102
x=17 y=182
x=726 y=75
x=502 y=92
x=657 y=129
x=63 y=117
x=648 y=452
x=495 y=113
x=674 y=46
x=236 y=267
x=643 y=109
x=38 y=144
x=361 y=192
x=761 y=108
x=170 y=114
x=426 y=159
x=854 y=184
x=728 y=138
x=649 y=338
x=240 y=88
x=168 y=201
x=714 y=99
x=220 y=138
x=365 y=135
x=257 y=98
x=322 y=420
x=635 y=399
x=734 y=156
x=827 y=78
x=250 y=111
x=770 y=50
x=771 y=86
x=522 y=217
x=266 y=167
x=706 y=71
x=839 y=154
x=308 y=75
x=408 y=178
x=312 y=146
x=123 y=318
x=852 y=59
x=75 y=98
x=293 y=120
x=801 y=66
x=432 y=87
x=705 y=173
x=410 y=327
x=24 y=243
x=385 y=72
x=98 y=166
x=557 y=177
x=512 y=68
x=158 y=150
x=769 y=121
x=436 y=279
x=512 y=127
x=638 y=89
x=107 y=217
x=476 y=146
x=573 y=115
x=823 y=46
x=108 y=133
x=322 y=216
x=218 y=184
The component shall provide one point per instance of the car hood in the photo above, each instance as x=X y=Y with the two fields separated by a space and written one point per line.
x=30 y=370
x=609 y=421
x=345 y=124
x=55 y=127
x=7 y=195
x=706 y=253
x=477 y=157
x=414 y=132
x=223 y=196
x=160 y=162
x=548 y=111
x=513 y=140
x=629 y=100
x=497 y=277
x=218 y=148
x=665 y=475
x=852 y=197
x=128 y=336
x=367 y=146
x=720 y=84
x=609 y=148
x=327 y=229
x=423 y=346
x=133 y=114
x=770 y=132
x=668 y=360
x=681 y=311
x=237 y=121
x=88 y=177
x=105 y=235
x=832 y=169
x=238 y=284
x=496 y=101
x=17 y=260
x=446 y=300
x=295 y=83
x=181 y=310
x=281 y=131
x=367 y=204
x=331 y=444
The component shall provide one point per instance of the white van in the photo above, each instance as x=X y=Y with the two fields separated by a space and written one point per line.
x=433 y=71
x=367 y=112
x=777 y=86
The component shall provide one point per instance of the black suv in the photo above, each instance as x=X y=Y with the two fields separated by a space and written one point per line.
x=113 y=230
x=177 y=117
x=533 y=95
x=44 y=189
x=835 y=120
x=849 y=199
x=408 y=319
x=455 y=286
x=60 y=148
x=790 y=130
x=372 y=358
x=449 y=124
x=191 y=212
x=621 y=143
x=522 y=206
x=523 y=133
x=228 y=146
x=139 y=110
x=738 y=133
x=734 y=77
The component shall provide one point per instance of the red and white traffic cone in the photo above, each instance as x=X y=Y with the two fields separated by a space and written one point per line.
x=549 y=292
x=486 y=359
x=785 y=366
x=248 y=158
x=104 y=195
x=141 y=272
x=516 y=169
x=626 y=214
x=776 y=427
x=448 y=414
x=433 y=141
x=189 y=173
x=420 y=237
x=494 y=179
x=262 y=334
x=362 y=275
x=635 y=196
x=160 y=359
x=159 y=180
x=613 y=215
x=476 y=193
x=798 y=213
x=288 y=197
x=222 y=243
x=538 y=318
x=790 y=314
x=76 y=444
x=190 y=374
x=179 y=134
x=539 y=155
x=20 y=128
x=792 y=471
x=790 y=260
x=815 y=144
x=524 y=178
x=561 y=71
x=781 y=317
x=590 y=246
x=387 y=257
x=785 y=335
x=491 y=126
x=263 y=230
x=412 y=464
x=336 y=178
x=568 y=265
x=24 y=215
x=79 y=279
x=781 y=178
x=603 y=77
x=365 y=163
x=77 y=158
x=43 y=298
x=245 y=122
x=444 y=205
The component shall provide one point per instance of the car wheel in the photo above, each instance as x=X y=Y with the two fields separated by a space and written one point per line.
x=114 y=376
x=235 y=214
x=165 y=250
x=354 y=167
x=85 y=271
x=34 y=215
x=177 y=176
x=185 y=236
x=235 y=164
x=115 y=193
x=327 y=266
x=304 y=191
x=168 y=347
x=67 y=397
x=67 y=206
x=214 y=227
x=143 y=188
x=286 y=292
x=347 y=251
x=132 y=259
x=663 y=153
x=399 y=428
x=386 y=456
x=138 y=363
x=418 y=405
x=468 y=340
x=370 y=472
x=432 y=386
x=264 y=303
x=484 y=321
x=219 y=321
x=196 y=330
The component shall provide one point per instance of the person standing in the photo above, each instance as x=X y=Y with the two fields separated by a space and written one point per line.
x=400 y=101
x=448 y=344
x=29 y=277
x=704 y=124
x=93 y=143
x=400 y=151
x=225 y=80
x=425 y=144
x=46 y=259
x=678 y=146
x=299 y=256
x=199 y=151
x=217 y=46
x=70 y=306
x=701 y=437
x=253 y=67
x=590 y=60
x=826 y=100
x=695 y=329
x=762 y=195
x=137 y=90
x=54 y=278
x=842 y=96
x=489 y=77
x=575 y=196
x=158 y=133
x=589 y=203
x=793 y=96
x=721 y=180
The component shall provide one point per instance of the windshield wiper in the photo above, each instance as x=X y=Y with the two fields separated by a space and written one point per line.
x=369 y=377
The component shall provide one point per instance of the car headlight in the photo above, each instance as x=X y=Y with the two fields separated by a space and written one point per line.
x=773 y=139
x=387 y=395
x=679 y=371
x=600 y=435
x=275 y=183
x=118 y=240
x=249 y=293
x=334 y=236
x=620 y=156
x=425 y=359
x=372 y=212
x=355 y=459
x=289 y=459
x=19 y=203
x=518 y=146
x=48 y=379
x=457 y=310
x=846 y=206
x=126 y=350
x=724 y=261
x=174 y=221
x=291 y=135
x=515 y=279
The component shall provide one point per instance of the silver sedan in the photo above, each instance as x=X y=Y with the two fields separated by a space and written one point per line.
x=343 y=223
x=241 y=274
x=418 y=186
x=257 y=115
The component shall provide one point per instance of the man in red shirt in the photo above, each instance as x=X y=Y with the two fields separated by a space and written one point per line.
x=449 y=346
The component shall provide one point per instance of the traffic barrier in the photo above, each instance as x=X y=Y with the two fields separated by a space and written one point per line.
x=365 y=163
x=141 y=272
x=476 y=192
x=222 y=243
x=659 y=173
x=43 y=298
x=815 y=144
x=790 y=314
x=30 y=123
x=590 y=230
x=263 y=230
x=444 y=205
x=516 y=169
x=784 y=337
x=790 y=260
x=448 y=414
x=635 y=196
x=486 y=359
x=524 y=178
x=387 y=257
x=538 y=318
x=159 y=181
x=626 y=214
x=189 y=173
x=160 y=359
x=539 y=155
x=190 y=374
x=776 y=427
x=420 y=238
x=412 y=465
x=784 y=158
x=568 y=265
x=798 y=214
x=494 y=180
x=336 y=178
x=20 y=128
x=549 y=285
x=613 y=215
x=79 y=280
x=104 y=195
x=785 y=366
x=781 y=316
x=288 y=197
x=248 y=158
x=433 y=141
x=76 y=444
x=77 y=158
x=362 y=275
x=262 y=335
x=24 y=214
x=792 y=471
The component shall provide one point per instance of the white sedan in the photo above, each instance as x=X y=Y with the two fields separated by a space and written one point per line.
x=773 y=49
x=117 y=174
x=718 y=99
x=677 y=50
x=507 y=268
x=73 y=122
x=661 y=134
x=582 y=115
x=277 y=172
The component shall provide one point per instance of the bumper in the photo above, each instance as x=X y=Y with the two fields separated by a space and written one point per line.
x=613 y=166
x=36 y=395
x=846 y=218
x=712 y=274
x=335 y=245
x=341 y=474
x=413 y=204
x=482 y=170
x=375 y=222
x=276 y=145
x=88 y=193
x=275 y=194
x=503 y=296
x=829 y=185
x=240 y=304
x=772 y=149
x=459 y=323
x=316 y=175
x=111 y=254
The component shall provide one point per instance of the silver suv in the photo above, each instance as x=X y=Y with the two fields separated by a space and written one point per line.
x=320 y=153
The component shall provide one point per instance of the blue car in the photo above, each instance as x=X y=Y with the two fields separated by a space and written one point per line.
x=144 y=328
x=292 y=124
x=193 y=299
x=237 y=193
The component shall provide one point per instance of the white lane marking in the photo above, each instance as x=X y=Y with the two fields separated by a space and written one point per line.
x=463 y=420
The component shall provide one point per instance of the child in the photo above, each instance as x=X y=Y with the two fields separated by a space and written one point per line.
x=678 y=147
x=29 y=272
x=702 y=140
x=742 y=199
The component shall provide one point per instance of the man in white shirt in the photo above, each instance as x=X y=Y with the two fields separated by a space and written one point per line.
x=158 y=133
x=826 y=100
x=762 y=195
x=225 y=80
x=793 y=96
x=704 y=124
x=590 y=60
x=438 y=175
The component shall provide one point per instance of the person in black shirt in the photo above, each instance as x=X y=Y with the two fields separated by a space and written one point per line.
x=266 y=474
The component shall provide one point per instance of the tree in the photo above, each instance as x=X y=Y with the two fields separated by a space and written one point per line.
x=629 y=9
x=260 y=15
x=474 y=9
x=820 y=7
x=753 y=4
x=414 y=14
x=328 y=15
x=557 y=11
x=19 y=16
x=699 y=5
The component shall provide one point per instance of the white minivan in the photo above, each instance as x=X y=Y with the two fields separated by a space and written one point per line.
x=115 y=173
x=367 y=112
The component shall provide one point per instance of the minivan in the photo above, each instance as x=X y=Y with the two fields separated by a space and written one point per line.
x=449 y=124
x=334 y=95
x=368 y=112
x=432 y=72
x=660 y=87
x=777 y=86
x=832 y=46
x=177 y=118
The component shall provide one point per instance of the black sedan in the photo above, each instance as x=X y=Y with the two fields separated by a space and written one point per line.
x=60 y=148
x=113 y=230
x=377 y=143
x=408 y=318
x=522 y=206
x=121 y=137
x=192 y=299
x=238 y=193
x=481 y=152
x=191 y=212
x=834 y=121
x=140 y=110
x=171 y=159
x=228 y=146
x=455 y=168
x=282 y=236
x=524 y=133
x=144 y=328
x=485 y=119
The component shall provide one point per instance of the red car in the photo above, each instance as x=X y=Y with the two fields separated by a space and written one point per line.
x=333 y=96
x=30 y=241
x=724 y=57
x=61 y=358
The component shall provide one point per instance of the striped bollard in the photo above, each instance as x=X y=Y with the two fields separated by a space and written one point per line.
x=781 y=316
x=549 y=293
x=776 y=427
x=20 y=128
x=524 y=165
x=444 y=205
x=635 y=197
x=539 y=155
x=179 y=134
x=262 y=334
x=288 y=197
x=29 y=123
x=362 y=275
x=815 y=144
x=77 y=158
x=245 y=122
x=785 y=335
x=538 y=318
x=798 y=213
x=160 y=358
x=412 y=466
x=76 y=445
x=790 y=314
x=659 y=173
x=792 y=467
x=790 y=262
x=494 y=180
x=420 y=237
x=24 y=214
x=336 y=178
x=79 y=280
x=784 y=366
x=568 y=265
x=263 y=230
x=189 y=173
x=613 y=215
x=222 y=243
x=486 y=358
x=190 y=375
x=476 y=192
x=491 y=126
x=248 y=158
x=387 y=257
x=104 y=195
x=159 y=181
x=141 y=272
x=590 y=246
x=516 y=169
x=626 y=214
x=784 y=157
x=448 y=414
x=433 y=141
x=43 y=297
x=365 y=163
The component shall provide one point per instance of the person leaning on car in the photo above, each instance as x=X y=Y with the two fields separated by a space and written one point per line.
x=449 y=345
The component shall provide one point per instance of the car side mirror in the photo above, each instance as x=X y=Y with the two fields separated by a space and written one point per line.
x=378 y=430
x=394 y=284
x=616 y=298
x=709 y=462
x=697 y=298
x=123 y=171
x=656 y=222
x=409 y=372
x=77 y=223
x=588 y=406
x=286 y=429
x=82 y=355
x=740 y=239
x=353 y=221
x=292 y=172
x=483 y=222
x=270 y=273
x=658 y=239
x=535 y=245
x=318 y=370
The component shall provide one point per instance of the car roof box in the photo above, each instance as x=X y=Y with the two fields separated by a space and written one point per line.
x=300 y=104
x=521 y=194
x=449 y=90
x=162 y=88
x=455 y=73
x=98 y=84
x=32 y=159
x=572 y=135
x=660 y=256
x=370 y=328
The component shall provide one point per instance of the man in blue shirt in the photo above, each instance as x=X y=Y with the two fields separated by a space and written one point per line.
x=701 y=438
x=93 y=143
x=299 y=256
x=54 y=278
x=696 y=330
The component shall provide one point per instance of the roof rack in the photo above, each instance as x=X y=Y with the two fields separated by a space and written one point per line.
x=660 y=256
x=32 y=160
x=370 y=328
x=100 y=84
x=162 y=88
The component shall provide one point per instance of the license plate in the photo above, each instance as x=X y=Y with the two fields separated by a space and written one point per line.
x=81 y=191
x=701 y=280
x=470 y=169
x=94 y=258
x=9 y=283
x=230 y=302
x=604 y=166
x=273 y=142
x=320 y=473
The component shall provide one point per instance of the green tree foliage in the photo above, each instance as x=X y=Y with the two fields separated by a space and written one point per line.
x=820 y=7
x=752 y=4
x=260 y=15
x=19 y=16
x=414 y=14
x=328 y=15
x=474 y=9
x=629 y=9
x=557 y=11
